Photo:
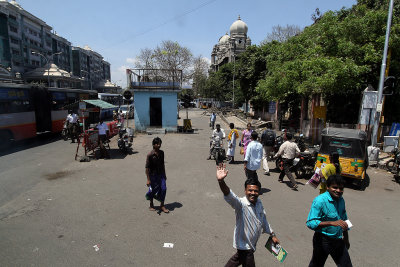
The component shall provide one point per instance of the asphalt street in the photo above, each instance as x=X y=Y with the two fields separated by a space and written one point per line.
x=55 y=211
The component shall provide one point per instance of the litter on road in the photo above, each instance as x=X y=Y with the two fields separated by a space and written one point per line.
x=168 y=245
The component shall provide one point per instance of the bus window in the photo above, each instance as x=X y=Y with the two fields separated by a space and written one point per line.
x=14 y=101
x=59 y=100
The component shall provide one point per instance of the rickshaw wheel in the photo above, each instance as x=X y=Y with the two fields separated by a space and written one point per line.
x=391 y=166
x=364 y=183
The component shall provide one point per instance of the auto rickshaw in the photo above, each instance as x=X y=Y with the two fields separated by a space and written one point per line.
x=351 y=146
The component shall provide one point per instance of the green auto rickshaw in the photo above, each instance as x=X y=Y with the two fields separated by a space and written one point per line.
x=351 y=146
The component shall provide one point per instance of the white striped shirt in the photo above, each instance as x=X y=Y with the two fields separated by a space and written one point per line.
x=251 y=221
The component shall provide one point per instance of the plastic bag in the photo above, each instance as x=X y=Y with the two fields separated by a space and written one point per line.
x=315 y=179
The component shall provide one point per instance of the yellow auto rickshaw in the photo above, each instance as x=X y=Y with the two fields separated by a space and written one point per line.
x=351 y=145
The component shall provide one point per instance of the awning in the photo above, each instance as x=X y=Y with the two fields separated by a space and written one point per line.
x=100 y=103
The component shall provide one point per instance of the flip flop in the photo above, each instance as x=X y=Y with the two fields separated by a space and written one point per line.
x=152 y=209
x=165 y=210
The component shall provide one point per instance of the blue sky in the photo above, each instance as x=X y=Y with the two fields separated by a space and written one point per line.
x=118 y=29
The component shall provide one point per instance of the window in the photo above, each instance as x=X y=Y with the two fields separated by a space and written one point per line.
x=14 y=100
x=12 y=17
x=14 y=41
x=13 y=29
x=15 y=52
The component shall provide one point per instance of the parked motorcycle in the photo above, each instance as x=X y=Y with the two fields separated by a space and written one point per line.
x=125 y=140
x=218 y=152
x=299 y=140
x=305 y=166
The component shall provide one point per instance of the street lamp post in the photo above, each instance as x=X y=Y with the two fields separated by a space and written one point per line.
x=90 y=77
x=47 y=61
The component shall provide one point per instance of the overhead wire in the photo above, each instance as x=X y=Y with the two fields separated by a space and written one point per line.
x=165 y=22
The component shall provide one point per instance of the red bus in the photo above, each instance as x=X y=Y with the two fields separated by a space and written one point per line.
x=26 y=110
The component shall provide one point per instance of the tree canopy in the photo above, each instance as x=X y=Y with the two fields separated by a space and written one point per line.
x=337 y=56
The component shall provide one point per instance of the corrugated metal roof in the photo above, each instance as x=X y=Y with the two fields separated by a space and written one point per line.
x=100 y=103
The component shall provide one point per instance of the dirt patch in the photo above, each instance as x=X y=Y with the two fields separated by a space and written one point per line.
x=57 y=175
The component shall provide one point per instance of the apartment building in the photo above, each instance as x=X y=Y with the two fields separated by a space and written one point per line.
x=27 y=43
x=90 y=65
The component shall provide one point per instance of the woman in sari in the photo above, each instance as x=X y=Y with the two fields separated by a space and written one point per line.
x=246 y=137
x=332 y=168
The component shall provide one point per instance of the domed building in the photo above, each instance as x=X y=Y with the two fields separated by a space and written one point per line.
x=230 y=46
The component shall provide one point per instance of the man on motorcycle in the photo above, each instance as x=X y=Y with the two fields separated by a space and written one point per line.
x=72 y=125
x=288 y=152
x=217 y=132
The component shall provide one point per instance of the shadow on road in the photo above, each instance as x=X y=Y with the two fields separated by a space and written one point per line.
x=264 y=190
x=40 y=140
x=173 y=205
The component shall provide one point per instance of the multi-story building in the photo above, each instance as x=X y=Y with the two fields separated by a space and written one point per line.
x=27 y=43
x=25 y=33
x=63 y=60
x=230 y=46
x=90 y=65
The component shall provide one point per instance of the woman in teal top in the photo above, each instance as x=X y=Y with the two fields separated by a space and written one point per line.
x=327 y=218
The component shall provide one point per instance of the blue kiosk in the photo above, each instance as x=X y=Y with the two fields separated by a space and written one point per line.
x=155 y=98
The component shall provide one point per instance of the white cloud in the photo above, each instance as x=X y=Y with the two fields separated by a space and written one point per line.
x=131 y=60
x=119 y=75
x=208 y=60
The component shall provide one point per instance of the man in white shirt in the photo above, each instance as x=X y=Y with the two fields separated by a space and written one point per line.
x=72 y=125
x=103 y=136
x=251 y=220
x=217 y=132
x=288 y=152
x=252 y=161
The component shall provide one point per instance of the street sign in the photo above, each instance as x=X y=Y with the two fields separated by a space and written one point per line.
x=379 y=108
x=127 y=94
x=82 y=105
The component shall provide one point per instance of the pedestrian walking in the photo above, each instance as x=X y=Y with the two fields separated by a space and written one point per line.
x=232 y=136
x=156 y=177
x=246 y=138
x=329 y=169
x=328 y=218
x=252 y=161
x=268 y=142
x=213 y=118
x=288 y=152
x=251 y=219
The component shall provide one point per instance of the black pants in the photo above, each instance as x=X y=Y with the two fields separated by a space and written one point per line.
x=251 y=174
x=287 y=163
x=242 y=257
x=324 y=246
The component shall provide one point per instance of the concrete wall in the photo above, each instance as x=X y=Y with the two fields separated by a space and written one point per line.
x=169 y=109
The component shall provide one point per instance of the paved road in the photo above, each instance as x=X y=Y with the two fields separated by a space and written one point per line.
x=53 y=210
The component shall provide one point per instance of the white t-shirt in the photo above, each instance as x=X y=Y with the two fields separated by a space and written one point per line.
x=72 y=118
x=103 y=128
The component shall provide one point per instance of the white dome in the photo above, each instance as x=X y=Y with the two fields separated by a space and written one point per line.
x=239 y=27
x=224 y=39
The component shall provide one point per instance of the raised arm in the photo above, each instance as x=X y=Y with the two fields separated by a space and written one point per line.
x=222 y=172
